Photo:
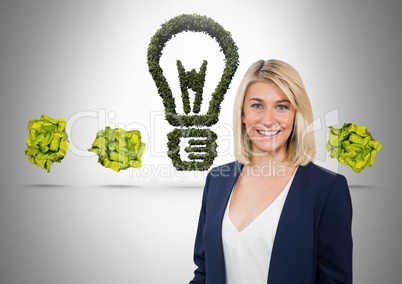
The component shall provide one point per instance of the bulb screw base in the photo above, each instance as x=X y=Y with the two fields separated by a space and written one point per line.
x=201 y=148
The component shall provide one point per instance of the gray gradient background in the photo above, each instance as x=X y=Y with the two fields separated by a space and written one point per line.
x=82 y=223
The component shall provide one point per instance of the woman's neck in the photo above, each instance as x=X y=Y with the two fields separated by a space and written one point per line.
x=269 y=166
x=267 y=158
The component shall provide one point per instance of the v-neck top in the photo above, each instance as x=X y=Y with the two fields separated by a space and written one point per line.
x=248 y=253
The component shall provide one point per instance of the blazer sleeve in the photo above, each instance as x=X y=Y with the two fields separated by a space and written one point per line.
x=199 y=250
x=335 y=236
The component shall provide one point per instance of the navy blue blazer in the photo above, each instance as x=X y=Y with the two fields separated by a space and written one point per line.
x=313 y=242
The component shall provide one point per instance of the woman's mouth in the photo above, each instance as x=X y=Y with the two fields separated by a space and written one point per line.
x=268 y=133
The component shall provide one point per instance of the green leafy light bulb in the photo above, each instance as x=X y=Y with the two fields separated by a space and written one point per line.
x=202 y=152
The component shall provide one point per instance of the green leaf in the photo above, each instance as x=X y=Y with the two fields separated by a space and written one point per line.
x=352 y=145
x=47 y=141
x=118 y=149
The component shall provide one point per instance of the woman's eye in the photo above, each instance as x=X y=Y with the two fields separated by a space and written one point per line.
x=282 y=107
x=256 y=105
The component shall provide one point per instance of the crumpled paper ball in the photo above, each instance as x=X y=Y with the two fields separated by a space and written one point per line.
x=47 y=141
x=352 y=145
x=118 y=149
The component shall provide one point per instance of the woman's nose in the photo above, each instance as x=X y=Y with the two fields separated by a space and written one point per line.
x=268 y=117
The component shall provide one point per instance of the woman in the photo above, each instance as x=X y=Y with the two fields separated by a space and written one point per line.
x=273 y=216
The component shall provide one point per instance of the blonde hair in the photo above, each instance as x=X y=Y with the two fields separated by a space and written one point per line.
x=301 y=144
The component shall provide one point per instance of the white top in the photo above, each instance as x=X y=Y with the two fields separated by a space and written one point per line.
x=248 y=253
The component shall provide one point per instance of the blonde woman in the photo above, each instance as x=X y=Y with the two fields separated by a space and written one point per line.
x=273 y=216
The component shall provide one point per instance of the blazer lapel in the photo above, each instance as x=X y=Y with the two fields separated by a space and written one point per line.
x=222 y=189
x=290 y=241
x=222 y=181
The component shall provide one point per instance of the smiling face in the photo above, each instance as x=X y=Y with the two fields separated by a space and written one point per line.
x=268 y=117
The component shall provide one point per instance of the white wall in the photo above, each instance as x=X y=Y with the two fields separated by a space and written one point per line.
x=85 y=61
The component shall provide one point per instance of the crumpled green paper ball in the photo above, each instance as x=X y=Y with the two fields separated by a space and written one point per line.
x=118 y=149
x=353 y=145
x=47 y=141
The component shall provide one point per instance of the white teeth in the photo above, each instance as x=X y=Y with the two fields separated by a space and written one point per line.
x=268 y=132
